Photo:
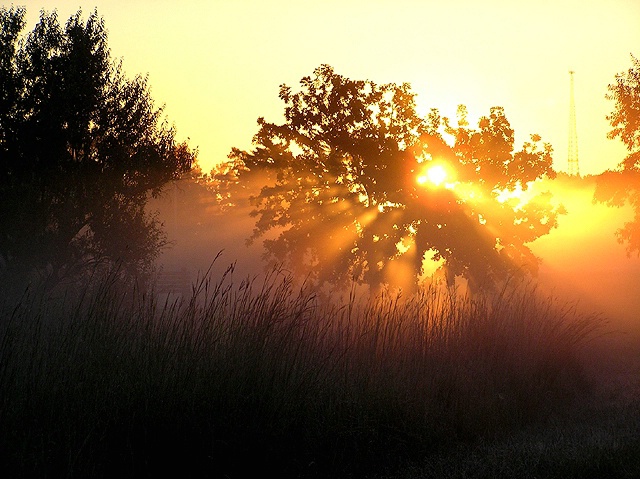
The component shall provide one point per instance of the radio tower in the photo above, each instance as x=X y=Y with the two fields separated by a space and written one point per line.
x=574 y=170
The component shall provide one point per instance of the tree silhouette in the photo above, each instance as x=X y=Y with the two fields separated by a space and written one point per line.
x=343 y=186
x=81 y=149
x=616 y=188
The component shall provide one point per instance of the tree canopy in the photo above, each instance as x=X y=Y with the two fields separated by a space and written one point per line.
x=616 y=188
x=347 y=186
x=81 y=149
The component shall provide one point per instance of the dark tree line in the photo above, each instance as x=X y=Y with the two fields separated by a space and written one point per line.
x=82 y=147
x=339 y=195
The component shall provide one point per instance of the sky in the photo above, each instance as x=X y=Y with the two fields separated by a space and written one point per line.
x=217 y=65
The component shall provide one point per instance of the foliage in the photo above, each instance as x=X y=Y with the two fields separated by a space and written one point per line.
x=617 y=188
x=625 y=118
x=81 y=149
x=338 y=186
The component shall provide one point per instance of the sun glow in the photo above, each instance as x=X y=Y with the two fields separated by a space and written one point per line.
x=517 y=196
x=436 y=175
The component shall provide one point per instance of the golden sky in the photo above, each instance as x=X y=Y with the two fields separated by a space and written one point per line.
x=217 y=64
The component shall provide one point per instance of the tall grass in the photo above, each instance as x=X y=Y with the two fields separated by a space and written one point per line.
x=262 y=373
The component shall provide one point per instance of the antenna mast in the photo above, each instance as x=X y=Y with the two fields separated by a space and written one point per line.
x=574 y=169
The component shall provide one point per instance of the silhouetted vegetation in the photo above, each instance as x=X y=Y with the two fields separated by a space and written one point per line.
x=81 y=149
x=258 y=376
x=339 y=181
x=273 y=375
x=617 y=188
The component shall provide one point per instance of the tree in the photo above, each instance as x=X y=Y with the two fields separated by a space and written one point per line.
x=616 y=188
x=81 y=150
x=343 y=190
x=625 y=118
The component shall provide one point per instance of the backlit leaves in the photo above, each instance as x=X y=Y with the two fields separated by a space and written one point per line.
x=342 y=197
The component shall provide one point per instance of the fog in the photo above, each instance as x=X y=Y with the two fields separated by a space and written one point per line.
x=582 y=262
x=204 y=238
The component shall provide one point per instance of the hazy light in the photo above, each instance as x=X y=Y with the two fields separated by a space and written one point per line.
x=436 y=175
x=516 y=197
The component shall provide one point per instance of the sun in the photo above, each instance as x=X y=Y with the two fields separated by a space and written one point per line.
x=436 y=175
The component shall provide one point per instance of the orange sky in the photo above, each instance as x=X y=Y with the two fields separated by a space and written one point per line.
x=217 y=64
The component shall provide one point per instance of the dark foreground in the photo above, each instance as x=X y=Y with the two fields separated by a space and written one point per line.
x=598 y=438
x=248 y=379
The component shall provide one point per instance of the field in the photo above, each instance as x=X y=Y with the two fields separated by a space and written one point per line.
x=258 y=376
